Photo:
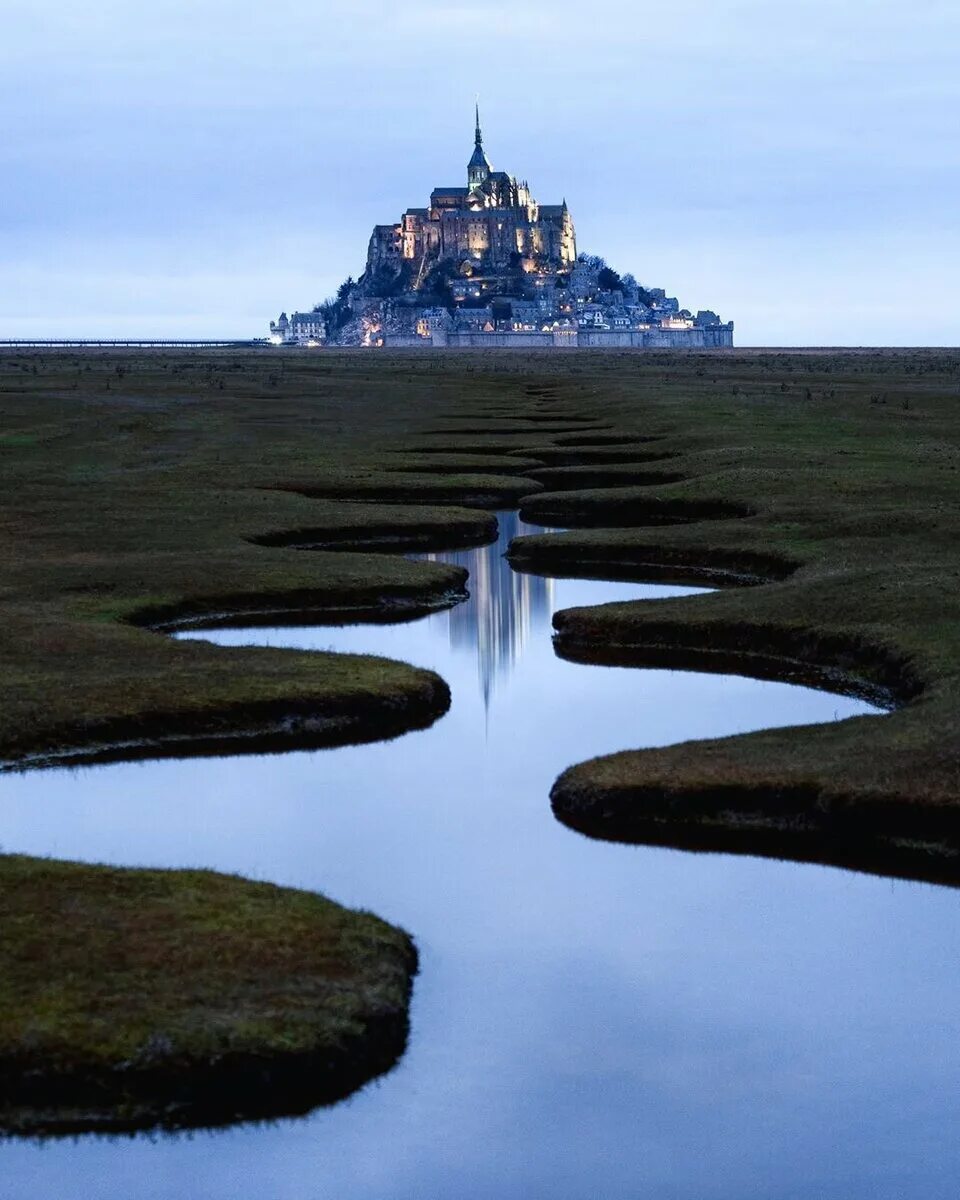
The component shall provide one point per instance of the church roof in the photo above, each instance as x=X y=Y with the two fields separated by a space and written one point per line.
x=450 y=191
x=478 y=158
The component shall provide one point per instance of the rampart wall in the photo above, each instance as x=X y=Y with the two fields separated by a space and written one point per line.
x=698 y=338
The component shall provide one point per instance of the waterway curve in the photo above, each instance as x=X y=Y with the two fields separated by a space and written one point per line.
x=548 y=983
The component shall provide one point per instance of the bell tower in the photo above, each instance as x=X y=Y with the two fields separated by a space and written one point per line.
x=478 y=169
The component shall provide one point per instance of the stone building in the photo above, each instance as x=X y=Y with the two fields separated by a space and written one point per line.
x=302 y=329
x=485 y=264
x=488 y=231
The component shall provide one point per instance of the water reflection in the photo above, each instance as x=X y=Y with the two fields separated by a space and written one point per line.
x=590 y=1020
x=505 y=607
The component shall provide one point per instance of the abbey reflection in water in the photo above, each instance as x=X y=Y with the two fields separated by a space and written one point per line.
x=504 y=608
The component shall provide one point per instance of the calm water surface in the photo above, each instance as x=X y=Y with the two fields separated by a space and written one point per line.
x=590 y=1020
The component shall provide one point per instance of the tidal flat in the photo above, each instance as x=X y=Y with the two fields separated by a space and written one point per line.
x=815 y=494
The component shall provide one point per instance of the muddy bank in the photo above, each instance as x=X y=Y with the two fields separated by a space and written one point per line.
x=623 y=507
x=565 y=554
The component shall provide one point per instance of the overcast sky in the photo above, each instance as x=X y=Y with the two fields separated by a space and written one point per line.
x=193 y=166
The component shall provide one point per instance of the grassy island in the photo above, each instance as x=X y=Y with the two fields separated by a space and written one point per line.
x=137 y=999
x=819 y=491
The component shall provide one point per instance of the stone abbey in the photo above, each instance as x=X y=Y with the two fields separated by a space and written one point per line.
x=488 y=230
x=485 y=264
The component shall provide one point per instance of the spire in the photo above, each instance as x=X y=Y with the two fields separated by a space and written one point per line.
x=478 y=169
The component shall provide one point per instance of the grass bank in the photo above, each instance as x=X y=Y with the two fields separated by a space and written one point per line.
x=820 y=493
x=144 y=999
x=150 y=490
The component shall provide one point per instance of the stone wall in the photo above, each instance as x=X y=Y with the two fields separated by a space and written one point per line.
x=609 y=337
x=698 y=338
x=394 y=340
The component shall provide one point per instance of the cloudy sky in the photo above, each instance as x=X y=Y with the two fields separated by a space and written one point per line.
x=192 y=166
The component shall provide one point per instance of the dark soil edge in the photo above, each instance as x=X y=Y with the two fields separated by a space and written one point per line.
x=255 y=727
x=385 y=538
x=492 y=448
x=648 y=562
x=298 y=605
x=615 y=511
x=520 y=465
x=611 y=439
x=588 y=456
x=581 y=477
x=835 y=662
x=516 y=431
x=797 y=824
x=484 y=496
x=207 y=1093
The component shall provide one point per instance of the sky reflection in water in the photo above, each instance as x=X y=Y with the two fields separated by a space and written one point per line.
x=591 y=1020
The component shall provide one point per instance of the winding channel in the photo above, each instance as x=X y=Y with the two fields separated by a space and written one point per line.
x=591 y=1020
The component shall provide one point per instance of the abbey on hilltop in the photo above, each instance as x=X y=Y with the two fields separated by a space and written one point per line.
x=486 y=265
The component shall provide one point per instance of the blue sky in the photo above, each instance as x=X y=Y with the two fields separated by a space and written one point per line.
x=193 y=167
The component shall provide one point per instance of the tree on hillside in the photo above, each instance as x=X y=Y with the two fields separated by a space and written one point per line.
x=609 y=280
x=629 y=281
x=336 y=310
x=592 y=260
x=435 y=288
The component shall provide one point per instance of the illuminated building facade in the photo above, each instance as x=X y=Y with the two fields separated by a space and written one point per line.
x=485 y=264
x=485 y=232
x=300 y=329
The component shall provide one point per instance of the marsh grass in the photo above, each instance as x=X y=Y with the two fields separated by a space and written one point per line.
x=828 y=481
x=132 y=998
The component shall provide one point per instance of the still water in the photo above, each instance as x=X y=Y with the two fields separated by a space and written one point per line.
x=590 y=1020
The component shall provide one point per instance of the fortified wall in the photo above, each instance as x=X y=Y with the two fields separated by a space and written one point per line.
x=573 y=339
